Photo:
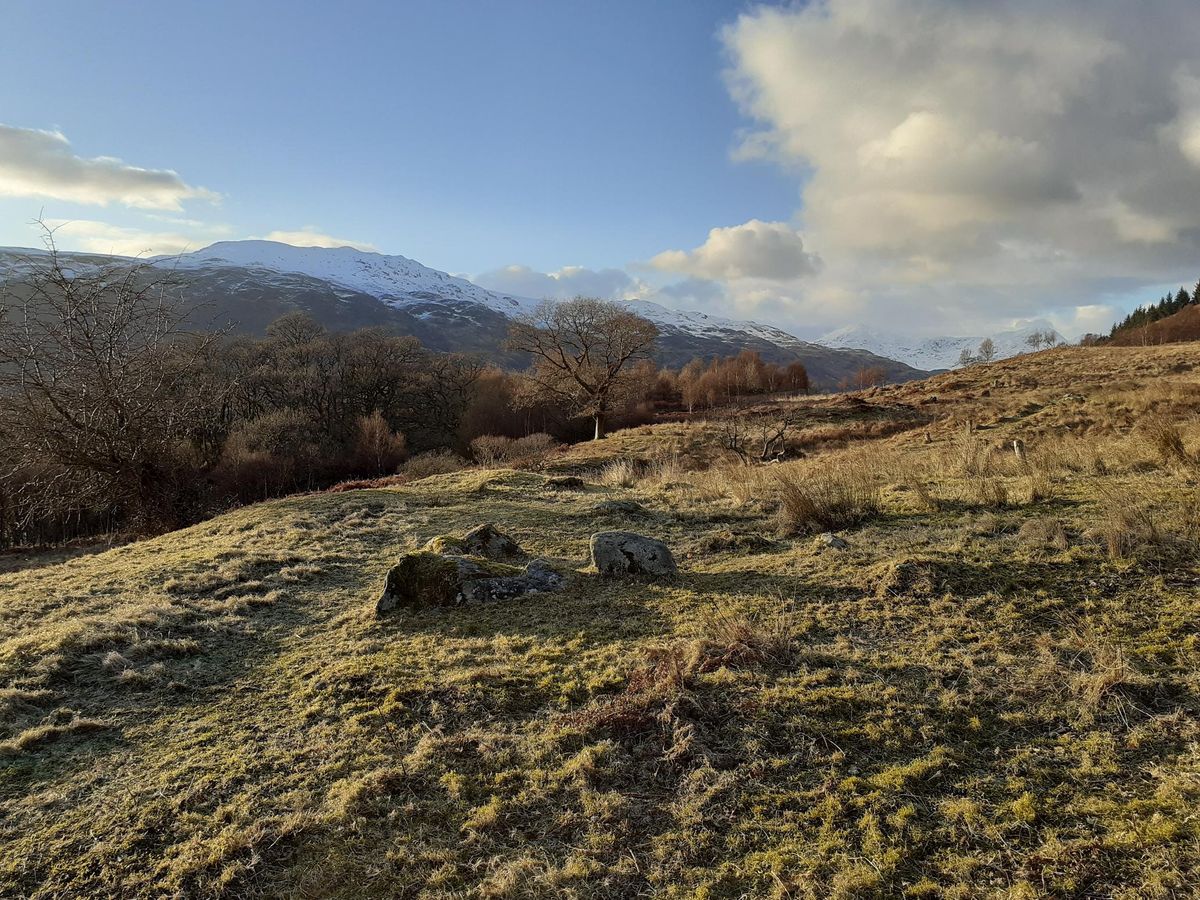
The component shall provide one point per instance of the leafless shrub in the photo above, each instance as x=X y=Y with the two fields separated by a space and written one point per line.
x=755 y=438
x=377 y=448
x=492 y=450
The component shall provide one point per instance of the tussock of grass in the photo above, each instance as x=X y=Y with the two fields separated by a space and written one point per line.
x=1044 y=533
x=826 y=501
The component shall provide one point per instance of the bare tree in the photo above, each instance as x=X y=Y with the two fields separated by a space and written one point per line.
x=100 y=386
x=755 y=437
x=581 y=352
x=987 y=350
x=965 y=358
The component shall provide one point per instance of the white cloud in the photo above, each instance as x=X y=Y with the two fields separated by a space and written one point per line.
x=754 y=249
x=36 y=163
x=104 y=237
x=968 y=163
x=311 y=236
x=569 y=281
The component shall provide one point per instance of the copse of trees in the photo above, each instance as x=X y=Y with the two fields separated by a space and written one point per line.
x=1168 y=305
x=720 y=381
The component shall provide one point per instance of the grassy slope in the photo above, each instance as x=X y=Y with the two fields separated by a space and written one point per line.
x=949 y=708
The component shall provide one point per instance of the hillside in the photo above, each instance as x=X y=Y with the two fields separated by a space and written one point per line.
x=249 y=284
x=991 y=691
x=1181 y=326
x=930 y=353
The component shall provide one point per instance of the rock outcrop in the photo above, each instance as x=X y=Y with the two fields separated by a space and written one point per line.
x=425 y=579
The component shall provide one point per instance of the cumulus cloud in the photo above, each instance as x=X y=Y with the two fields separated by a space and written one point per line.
x=570 y=281
x=752 y=250
x=973 y=160
x=36 y=163
x=311 y=236
x=105 y=237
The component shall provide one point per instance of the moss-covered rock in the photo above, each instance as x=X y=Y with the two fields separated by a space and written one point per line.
x=423 y=580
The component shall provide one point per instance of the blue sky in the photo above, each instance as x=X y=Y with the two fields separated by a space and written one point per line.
x=933 y=166
x=466 y=135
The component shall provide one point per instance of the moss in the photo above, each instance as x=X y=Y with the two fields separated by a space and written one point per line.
x=445 y=543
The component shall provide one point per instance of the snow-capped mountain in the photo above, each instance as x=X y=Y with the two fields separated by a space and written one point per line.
x=393 y=279
x=931 y=353
x=249 y=284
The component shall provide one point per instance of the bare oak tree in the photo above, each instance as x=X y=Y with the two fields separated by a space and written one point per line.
x=581 y=351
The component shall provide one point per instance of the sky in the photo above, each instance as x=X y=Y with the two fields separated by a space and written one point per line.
x=930 y=166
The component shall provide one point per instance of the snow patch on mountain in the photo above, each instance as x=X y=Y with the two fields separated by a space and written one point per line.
x=705 y=325
x=397 y=280
x=934 y=352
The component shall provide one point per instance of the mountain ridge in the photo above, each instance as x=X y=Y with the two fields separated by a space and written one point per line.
x=252 y=283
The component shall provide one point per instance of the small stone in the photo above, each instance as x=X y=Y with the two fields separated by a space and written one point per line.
x=832 y=541
x=622 y=553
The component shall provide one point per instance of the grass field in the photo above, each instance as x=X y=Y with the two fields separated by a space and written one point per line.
x=993 y=691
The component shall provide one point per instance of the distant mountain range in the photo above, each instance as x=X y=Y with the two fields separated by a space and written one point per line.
x=932 y=353
x=251 y=283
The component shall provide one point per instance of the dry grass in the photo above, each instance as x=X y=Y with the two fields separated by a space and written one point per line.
x=1165 y=437
x=621 y=473
x=1044 y=533
x=1126 y=525
x=813 y=502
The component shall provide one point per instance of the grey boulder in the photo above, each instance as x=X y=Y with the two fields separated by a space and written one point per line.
x=622 y=554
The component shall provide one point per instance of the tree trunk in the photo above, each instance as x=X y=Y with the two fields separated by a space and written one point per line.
x=599 y=427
